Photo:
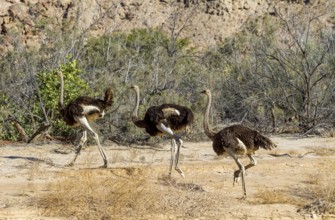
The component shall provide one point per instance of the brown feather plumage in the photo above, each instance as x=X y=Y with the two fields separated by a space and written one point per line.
x=253 y=140
x=74 y=108
x=155 y=114
x=164 y=120
x=81 y=111
x=236 y=140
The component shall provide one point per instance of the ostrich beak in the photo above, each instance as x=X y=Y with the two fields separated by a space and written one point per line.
x=134 y=87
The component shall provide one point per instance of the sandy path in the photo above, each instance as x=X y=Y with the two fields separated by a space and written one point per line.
x=27 y=170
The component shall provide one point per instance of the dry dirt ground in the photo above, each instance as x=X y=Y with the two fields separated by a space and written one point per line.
x=34 y=184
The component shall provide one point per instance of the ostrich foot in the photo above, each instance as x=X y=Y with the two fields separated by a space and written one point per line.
x=237 y=175
x=243 y=197
x=105 y=165
x=69 y=164
x=180 y=172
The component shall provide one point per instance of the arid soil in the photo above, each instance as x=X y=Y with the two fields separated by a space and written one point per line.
x=34 y=184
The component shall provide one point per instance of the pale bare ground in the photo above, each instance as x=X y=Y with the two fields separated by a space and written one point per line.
x=32 y=174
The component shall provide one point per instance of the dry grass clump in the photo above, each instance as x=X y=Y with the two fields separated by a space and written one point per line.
x=322 y=190
x=323 y=151
x=184 y=200
x=96 y=194
x=270 y=196
x=124 y=193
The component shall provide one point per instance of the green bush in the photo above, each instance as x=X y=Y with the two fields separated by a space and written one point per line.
x=49 y=86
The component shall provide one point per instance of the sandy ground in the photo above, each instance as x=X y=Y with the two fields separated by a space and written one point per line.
x=27 y=170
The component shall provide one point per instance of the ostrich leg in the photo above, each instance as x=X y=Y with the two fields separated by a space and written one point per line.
x=179 y=144
x=82 y=141
x=252 y=163
x=176 y=141
x=173 y=152
x=241 y=169
x=83 y=121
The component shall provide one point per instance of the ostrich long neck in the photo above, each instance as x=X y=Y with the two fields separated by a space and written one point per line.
x=61 y=94
x=134 y=117
x=208 y=132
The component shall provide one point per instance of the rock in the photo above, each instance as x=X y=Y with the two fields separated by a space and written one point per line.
x=213 y=21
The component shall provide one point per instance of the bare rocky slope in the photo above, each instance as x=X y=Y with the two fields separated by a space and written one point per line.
x=206 y=22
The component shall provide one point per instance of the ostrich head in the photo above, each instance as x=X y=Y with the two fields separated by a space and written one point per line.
x=60 y=75
x=135 y=87
x=206 y=92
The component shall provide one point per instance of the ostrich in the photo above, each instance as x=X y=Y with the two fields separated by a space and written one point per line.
x=80 y=112
x=236 y=140
x=164 y=120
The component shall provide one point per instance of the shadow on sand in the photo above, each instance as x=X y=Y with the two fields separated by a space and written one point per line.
x=33 y=159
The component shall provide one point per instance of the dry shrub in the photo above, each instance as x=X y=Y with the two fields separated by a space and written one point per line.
x=267 y=196
x=95 y=194
x=322 y=190
x=326 y=131
x=126 y=193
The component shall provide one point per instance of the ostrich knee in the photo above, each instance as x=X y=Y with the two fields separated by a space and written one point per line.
x=252 y=163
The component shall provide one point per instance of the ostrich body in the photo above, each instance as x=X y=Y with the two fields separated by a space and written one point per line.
x=236 y=140
x=164 y=120
x=80 y=112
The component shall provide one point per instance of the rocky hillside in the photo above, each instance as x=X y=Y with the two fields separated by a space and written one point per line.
x=206 y=22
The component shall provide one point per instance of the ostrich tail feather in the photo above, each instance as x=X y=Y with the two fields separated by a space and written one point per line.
x=109 y=96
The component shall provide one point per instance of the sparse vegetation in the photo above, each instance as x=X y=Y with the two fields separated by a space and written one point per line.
x=323 y=151
x=92 y=195
x=277 y=197
x=321 y=193
x=121 y=193
x=270 y=83
x=251 y=78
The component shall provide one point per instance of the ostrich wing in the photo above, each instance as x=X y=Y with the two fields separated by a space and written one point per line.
x=183 y=120
x=167 y=112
